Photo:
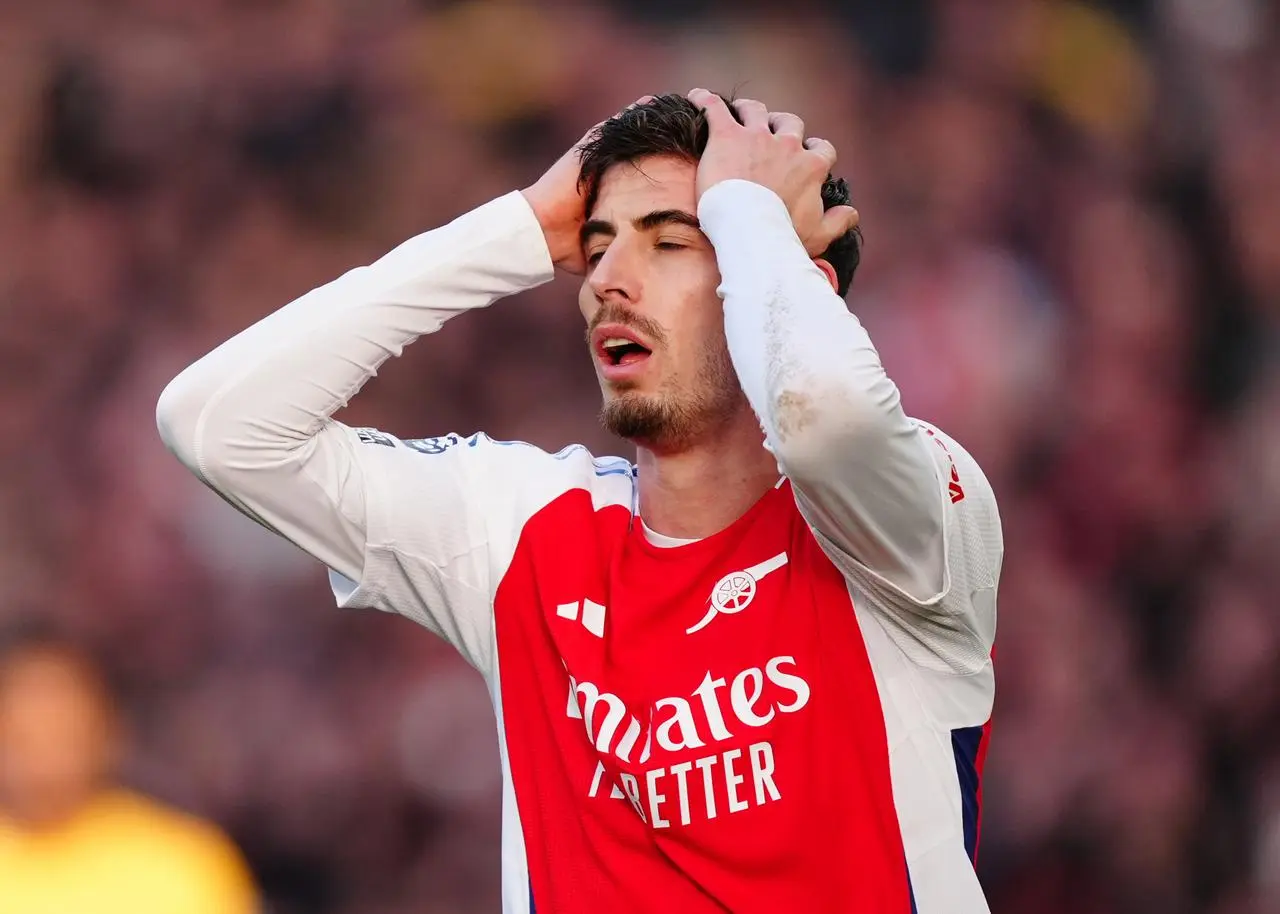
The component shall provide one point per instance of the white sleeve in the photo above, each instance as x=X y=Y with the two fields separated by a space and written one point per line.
x=252 y=420
x=867 y=477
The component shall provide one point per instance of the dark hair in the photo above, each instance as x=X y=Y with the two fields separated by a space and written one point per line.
x=671 y=125
x=36 y=636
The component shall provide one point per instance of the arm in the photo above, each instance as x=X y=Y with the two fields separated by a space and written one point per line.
x=410 y=527
x=252 y=419
x=864 y=474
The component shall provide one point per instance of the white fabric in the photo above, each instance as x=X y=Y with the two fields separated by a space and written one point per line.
x=252 y=420
x=662 y=540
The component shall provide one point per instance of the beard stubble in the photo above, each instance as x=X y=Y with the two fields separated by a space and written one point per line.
x=682 y=410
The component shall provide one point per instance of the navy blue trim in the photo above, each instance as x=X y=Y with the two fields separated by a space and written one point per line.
x=532 y=907
x=911 y=893
x=965 y=743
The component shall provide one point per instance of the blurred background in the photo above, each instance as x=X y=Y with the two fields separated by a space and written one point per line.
x=1072 y=214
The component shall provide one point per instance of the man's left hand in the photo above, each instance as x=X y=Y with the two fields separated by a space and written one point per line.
x=770 y=149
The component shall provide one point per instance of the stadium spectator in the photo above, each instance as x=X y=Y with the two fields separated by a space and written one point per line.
x=72 y=839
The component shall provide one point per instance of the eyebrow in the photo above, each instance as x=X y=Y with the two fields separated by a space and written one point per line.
x=645 y=223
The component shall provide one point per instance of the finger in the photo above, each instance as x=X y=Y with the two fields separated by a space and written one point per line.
x=718 y=114
x=753 y=114
x=822 y=148
x=835 y=223
x=781 y=122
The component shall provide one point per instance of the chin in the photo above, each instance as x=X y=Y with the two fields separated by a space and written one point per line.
x=647 y=420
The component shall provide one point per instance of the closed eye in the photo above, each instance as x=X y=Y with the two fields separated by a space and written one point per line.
x=594 y=258
x=671 y=246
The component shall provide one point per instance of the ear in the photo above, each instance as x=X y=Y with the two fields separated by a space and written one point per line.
x=828 y=271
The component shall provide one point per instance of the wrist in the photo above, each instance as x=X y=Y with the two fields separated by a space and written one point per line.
x=737 y=204
x=560 y=230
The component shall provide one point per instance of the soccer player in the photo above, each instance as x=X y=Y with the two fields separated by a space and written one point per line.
x=749 y=672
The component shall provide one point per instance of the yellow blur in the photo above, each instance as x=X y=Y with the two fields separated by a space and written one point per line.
x=73 y=840
x=122 y=854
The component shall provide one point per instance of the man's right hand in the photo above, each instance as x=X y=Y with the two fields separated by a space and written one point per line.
x=557 y=202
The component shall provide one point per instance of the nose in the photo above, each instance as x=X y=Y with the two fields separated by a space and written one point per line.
x=616 y=275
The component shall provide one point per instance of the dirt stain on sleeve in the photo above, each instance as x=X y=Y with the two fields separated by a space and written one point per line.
x=793 y=413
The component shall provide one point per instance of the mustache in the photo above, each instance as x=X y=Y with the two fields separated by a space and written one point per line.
x=616 y=314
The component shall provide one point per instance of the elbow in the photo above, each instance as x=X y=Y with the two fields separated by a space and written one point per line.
x=177 y=417
x=220 y=432
x=188 y=423
x=813 y=424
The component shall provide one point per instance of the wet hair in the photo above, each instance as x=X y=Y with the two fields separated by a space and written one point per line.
x=671 y=125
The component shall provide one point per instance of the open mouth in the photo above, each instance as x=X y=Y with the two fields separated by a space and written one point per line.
x=621 y=351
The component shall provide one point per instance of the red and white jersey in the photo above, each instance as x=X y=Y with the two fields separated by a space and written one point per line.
x=789 y=715
x=734 y=724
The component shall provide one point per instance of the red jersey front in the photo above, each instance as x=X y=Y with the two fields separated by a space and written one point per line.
x=742 y=767
x=739 y=723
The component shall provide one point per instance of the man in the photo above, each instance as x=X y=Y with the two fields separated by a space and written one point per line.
x=69 y=839
x=750 y=672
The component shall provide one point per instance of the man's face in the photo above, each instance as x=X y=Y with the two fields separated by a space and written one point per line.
x=654 y=322
x=55 y=735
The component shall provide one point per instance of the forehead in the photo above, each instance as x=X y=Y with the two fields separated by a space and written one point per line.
x=631 y=189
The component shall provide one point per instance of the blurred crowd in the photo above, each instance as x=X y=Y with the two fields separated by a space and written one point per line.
x=1072 y=264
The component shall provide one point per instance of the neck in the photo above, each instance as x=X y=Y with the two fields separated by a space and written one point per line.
x=46 y=812
x=699 y=490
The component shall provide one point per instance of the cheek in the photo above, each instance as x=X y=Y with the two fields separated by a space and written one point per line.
x=709 y=273
x=587 y=303
x=715 y=348
x=709 y=306
x=700 y=336
x=696 y=279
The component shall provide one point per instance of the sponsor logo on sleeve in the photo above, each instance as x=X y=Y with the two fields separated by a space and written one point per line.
x=373 y=436
x=432 y=446
x=954 y=489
